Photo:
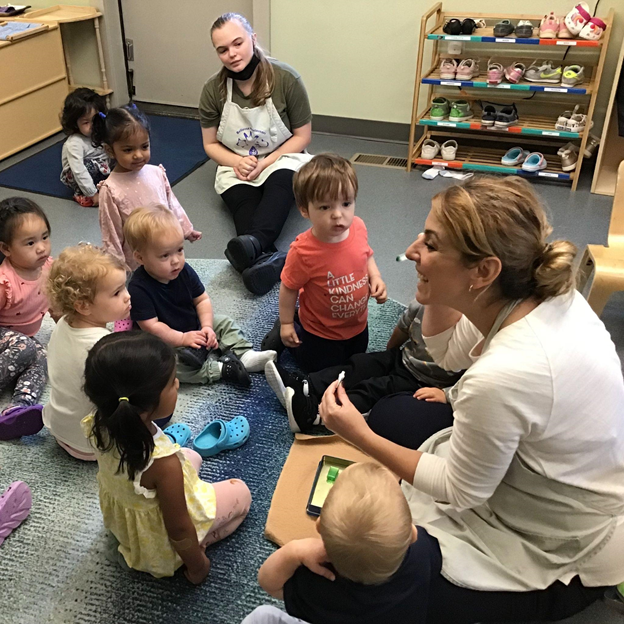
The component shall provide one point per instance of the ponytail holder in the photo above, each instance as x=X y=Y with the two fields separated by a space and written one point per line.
x=102 y=115
x=124 y=399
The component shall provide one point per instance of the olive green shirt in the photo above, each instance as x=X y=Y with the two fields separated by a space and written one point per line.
x=289 y=98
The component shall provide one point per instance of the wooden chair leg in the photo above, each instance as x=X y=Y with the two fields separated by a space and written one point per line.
x=599 y=294
x=585 y=272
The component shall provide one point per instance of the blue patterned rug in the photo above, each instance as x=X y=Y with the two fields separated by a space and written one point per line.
x=56 y=567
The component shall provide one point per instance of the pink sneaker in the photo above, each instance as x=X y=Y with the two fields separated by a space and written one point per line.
x=564 y=33
x=495 y=73
x=549 y=26
x=467 y=69
x=15 y=504
x=448 y=67
x=514 y=72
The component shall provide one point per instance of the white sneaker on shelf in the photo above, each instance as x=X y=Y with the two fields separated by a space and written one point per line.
x=430 y=149
x=449 y=150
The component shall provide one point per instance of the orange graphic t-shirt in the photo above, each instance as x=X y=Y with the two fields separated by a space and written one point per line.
x=332 y=280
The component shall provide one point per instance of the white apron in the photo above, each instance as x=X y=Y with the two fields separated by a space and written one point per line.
x=253 y=132
x=532 y=531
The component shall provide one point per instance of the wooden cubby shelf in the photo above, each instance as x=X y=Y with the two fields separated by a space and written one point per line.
x=538 y=104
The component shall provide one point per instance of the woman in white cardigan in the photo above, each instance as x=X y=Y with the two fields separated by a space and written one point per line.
x=525 y=492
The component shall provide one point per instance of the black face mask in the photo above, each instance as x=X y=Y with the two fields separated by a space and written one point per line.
x=246 y=73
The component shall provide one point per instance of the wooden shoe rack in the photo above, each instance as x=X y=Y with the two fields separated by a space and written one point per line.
x=539 y=105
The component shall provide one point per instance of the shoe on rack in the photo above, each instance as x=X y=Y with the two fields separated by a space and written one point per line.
x=565 y=147
x=265 y=273
x=577 y=123
x=448 y=69
x=233 y=370
x=591 y=146
x=569 y=158
x=448 y=150
x=592 y=31
x=495 y=73
x=504 y=28
x=563 y=32
x=534 y=162
x=514 y=72
x=524 y=29
x=545 y=73
x=453 y=27
x=460 y=111
x=242 y=251
x=506 y=116
x=488 y=116
x=514 y=156
x=549 y=26
x=564 y=119
x=573 y=75
x=468 y=26
x=440 y=108
x=467 y=69
x=577 y=18
x=430 y=149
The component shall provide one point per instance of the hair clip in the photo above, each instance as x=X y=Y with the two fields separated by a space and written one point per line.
x=102 y=115
x=124 y=399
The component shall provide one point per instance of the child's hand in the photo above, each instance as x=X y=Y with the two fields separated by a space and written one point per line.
x=198 y=576
x=211 y=337
x=96 y=199
x=194 y=339
x=289 y=335
x=378 y=289
x=311 y=553
x=431 y=395
x=195 y=235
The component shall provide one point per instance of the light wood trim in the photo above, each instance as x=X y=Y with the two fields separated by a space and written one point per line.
x=436 y=8
x=41 y=85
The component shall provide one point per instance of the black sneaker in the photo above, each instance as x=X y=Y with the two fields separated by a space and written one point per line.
x=233 y=370
x=272 y=341
x=265 y=273
x=242 y=251
x=302 y=410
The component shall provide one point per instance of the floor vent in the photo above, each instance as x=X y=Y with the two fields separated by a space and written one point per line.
x=375 y=160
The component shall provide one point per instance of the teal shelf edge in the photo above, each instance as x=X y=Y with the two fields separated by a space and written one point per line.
x=512 y=130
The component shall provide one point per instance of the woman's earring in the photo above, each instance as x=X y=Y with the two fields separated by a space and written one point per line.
x=470 y=289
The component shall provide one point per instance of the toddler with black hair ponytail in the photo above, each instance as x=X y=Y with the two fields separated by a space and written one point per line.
x=152 y=499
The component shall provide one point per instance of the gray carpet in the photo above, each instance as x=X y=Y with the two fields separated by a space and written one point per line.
x=56 y=567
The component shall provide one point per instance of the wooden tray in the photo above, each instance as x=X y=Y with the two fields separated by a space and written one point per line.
x=24 y=33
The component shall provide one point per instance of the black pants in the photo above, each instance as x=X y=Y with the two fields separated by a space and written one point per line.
x=450 y=604
x=262 y=210
x=368 y=378
x=316 y=353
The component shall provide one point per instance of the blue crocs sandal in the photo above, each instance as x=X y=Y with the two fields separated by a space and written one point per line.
x=222 y=436
x=178 y=433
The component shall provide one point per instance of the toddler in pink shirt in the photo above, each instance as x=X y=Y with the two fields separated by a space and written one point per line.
x=25 y=243
x=133 y=183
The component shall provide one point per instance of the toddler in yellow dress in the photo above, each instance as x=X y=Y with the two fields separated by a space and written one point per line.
x=152 y=499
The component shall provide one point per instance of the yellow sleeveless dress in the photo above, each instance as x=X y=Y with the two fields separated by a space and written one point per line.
x=132 y=512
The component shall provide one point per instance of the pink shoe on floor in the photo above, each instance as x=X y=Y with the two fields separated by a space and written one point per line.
x=20 y=420
x=15 y=504
x=121 y=326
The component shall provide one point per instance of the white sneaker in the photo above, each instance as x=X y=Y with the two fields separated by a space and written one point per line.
x=430 y=149
x=449 y=150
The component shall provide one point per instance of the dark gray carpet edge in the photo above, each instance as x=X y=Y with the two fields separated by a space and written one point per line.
x=56 y=567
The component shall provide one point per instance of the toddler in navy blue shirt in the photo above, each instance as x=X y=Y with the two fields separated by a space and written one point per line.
x=370 y=563
x=169 y=300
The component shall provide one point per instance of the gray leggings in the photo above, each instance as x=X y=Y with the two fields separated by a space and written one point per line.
x=22 y=359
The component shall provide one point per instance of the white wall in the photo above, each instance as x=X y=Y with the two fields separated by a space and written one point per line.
x=358 y=57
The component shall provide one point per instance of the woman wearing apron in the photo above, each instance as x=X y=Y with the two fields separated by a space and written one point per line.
x=525 y=492
x=256 y=124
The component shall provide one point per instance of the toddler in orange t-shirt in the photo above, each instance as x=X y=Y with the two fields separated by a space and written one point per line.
x=330 y=268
